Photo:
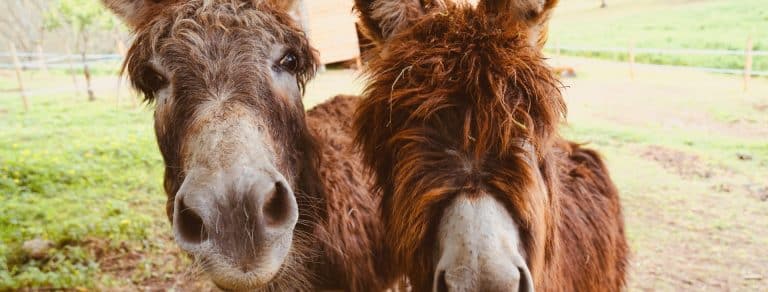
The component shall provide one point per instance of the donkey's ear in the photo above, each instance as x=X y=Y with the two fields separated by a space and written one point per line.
x=291 y=7
x=137 y=12
x=533 y=13
x=380 y=19
x=285 y=5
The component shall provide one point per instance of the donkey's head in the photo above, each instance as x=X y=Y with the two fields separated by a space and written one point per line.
x=459 y=109
x=227 y=77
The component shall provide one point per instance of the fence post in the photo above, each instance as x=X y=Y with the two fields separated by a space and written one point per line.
x=41 y=59
x=632 y=60
x=748 y=63
x=87 y=73
x=17 y=65
x=72 y=70
x=557 y=52
x=122 y=51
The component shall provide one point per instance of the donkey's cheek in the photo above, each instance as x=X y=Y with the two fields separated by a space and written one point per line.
x=285 y=87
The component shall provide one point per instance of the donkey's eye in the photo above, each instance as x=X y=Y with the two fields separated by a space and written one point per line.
x=289 y=62
x=151 y=80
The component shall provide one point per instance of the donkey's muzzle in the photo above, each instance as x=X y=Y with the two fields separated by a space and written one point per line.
x=464 y=279
x=242 y=219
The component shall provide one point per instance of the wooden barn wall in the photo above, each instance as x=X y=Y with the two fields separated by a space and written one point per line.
x=332 y=29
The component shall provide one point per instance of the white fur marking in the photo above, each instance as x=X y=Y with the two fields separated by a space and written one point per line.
x=480 y=246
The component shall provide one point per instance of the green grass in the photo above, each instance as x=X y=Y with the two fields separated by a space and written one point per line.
x=715 y=149
x=74 y=172
x=664 y=24
x=8 y=83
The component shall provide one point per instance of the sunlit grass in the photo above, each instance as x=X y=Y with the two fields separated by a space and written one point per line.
x=72 y=171
x=677 y=24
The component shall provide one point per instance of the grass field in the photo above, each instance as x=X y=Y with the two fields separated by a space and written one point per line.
x=664 y=24
x=84 y=176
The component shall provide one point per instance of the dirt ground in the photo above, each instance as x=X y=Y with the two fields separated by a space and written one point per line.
x=696 y=214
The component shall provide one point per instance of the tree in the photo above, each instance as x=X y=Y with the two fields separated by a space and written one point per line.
x=83 y=18
x=22 y=22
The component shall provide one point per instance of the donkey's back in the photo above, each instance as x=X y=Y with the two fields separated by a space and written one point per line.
x=595 y=251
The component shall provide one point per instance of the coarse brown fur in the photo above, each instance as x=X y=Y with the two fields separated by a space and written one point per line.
x=450 y=95
x=352 y=235
x=213 y=45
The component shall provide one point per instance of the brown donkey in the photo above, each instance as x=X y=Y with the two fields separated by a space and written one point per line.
x=460 y=126
x=261 y=196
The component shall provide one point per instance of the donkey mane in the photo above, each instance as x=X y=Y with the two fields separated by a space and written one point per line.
x=501 y=85
x=476 y=90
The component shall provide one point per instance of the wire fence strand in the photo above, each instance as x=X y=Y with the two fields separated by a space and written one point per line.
x=655 y=51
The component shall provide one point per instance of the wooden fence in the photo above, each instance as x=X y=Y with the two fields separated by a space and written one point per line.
x=651 y=51
x=748 y=55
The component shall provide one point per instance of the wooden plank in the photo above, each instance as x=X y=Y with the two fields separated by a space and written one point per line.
x=748 y=63
x=632 y=60
x=331 y=26
x=17 y=66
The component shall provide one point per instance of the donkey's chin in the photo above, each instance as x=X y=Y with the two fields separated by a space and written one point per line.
x=230 y=279
x=253 y=271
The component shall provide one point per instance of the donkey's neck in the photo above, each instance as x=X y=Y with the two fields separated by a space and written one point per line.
x=347 y=230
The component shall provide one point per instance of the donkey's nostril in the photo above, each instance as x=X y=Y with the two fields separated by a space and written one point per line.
x=278 y=207
x=190 y=225
x=441 y=285
x=526 y=284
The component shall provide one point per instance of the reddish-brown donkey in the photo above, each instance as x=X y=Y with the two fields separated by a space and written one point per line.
x=263 y=197
x=460 y=126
